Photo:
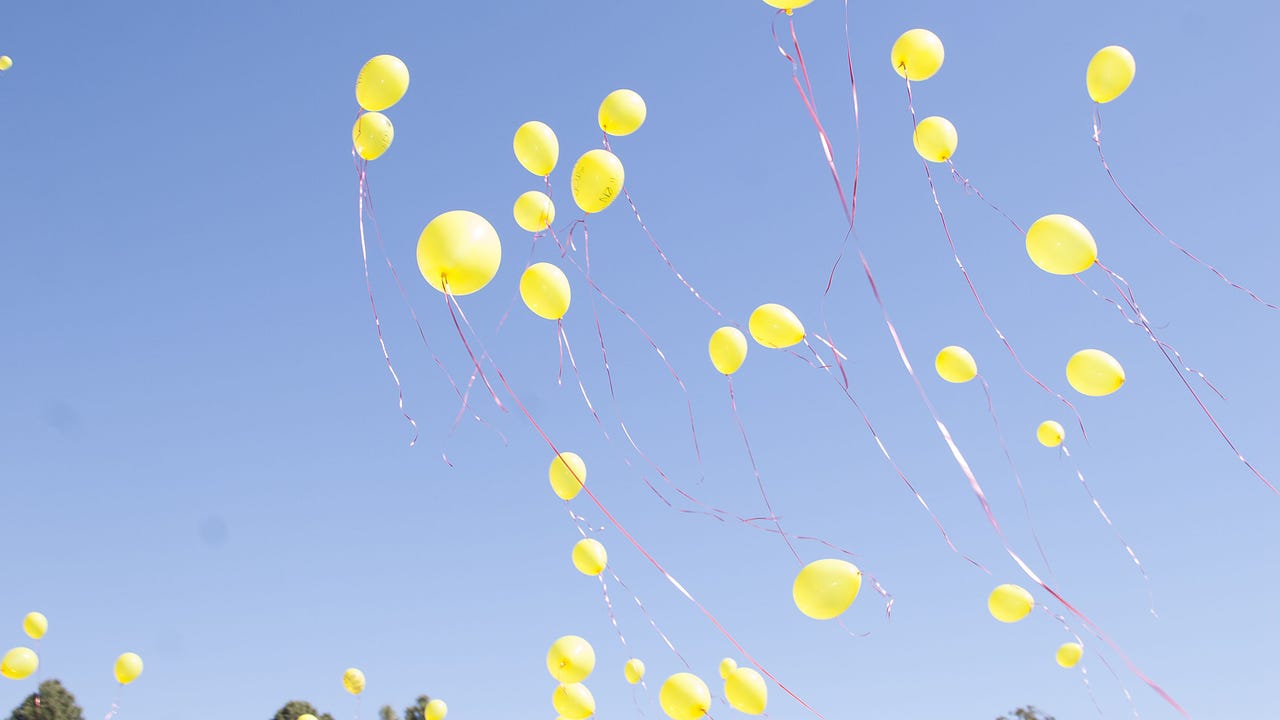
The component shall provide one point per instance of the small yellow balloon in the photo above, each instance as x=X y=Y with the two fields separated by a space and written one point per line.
x=35 y=625
x=728 y=349
x=1069 y=654
x=461 y=248
x=573 y=701
x=935 y=139
x=597 y=180
x=545 y=291
x=6 y=62
x=917 y=54
x=1010 y=603
x=956 y=365
x=1094 y=373
x=534 y=211
x=381 y=82
x=1061 y=245
x=19 y=663
x=128 y=668
x=622 y=112
x=774 y=326
x=435 y=710
x=727 y=666
x=589 y=556
x=684 y=697
x=568 y=474
x=306 y=716
x=826 y=588
x=746 y=692
x=1050 y=433
x=372 y=135
x=634 y=670
x=1110 y=72
x=536 y=147
x=787 y=5
x=353 y=681
x=571 y=659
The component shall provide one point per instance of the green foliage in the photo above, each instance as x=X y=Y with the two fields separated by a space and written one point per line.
x=1027 y=713
x=417 y=711
x=387 y=713
x=294 y=709
x=55 y=703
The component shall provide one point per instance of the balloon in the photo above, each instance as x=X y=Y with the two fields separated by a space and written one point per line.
x=381 y=82
x=589 y=556
x=573 y=701
x=622 y=112
x=917 y=54
x=534 y=211
x=634 y=670
x=536 y=147
x=728 y=349
x=746 y=691
x=1094 y=373
x=19 y=663
x=1110 y=73
x=774 y=326
x=128 y=668
x=597 y=180
x=35 y=625
x=568 y=474
x=571 y=659
x=684 y=697
x=306 y=716
x=1069 y=654
x=1061 y=245
x=6 y=62
x=956 y=365
x=461 y=247
x=435 y=710
x=1010 y=603
x=787 y=5
x=1050 y=433
x=545 y=290
x=372 y=135
x=935 y=139
x=727 y=666
x=826 y=588
x=353 y=681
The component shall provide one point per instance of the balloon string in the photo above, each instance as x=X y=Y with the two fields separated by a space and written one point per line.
x=516 y=295
x=565 y=348
x=604 y=588
x=1097 y=140
x=755 y=470
x=1084 y=671
x=475 y=362
x=971 y=189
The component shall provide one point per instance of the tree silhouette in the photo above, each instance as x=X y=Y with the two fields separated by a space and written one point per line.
x=51 y=702
x=295 y=709
x=1029 y=712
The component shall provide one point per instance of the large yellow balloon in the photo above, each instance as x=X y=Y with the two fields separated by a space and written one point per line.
x=545 y=290
x=1110 y=72
x=1069 y=654
x=935 y=139
x=568 y=474
x=956 y=365
x=746 y=692
x=728 y=349
x=787 y=5
x=372 y=135
x=536 y=147
x=826 y=588
x=634 y=670
x=774 y=326
x=435 y=710
x=128 y=668
x=461 y=248
x=19 y=663
x=1094 y=373
x=571 y=659
x=35 y=625
x=353 y=681
x=917 y=54
x=589 y=556
x=727 y=666
x=1010 y=603
x=684 y=697
x=6 y=62
x=534 y=211
x=1061 y=245
x=573 y=701
x=1050 y=433
x=381 y=82
x=597 y=180
x=622 y=112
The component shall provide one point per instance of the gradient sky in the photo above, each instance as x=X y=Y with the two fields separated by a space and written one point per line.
x=203 y=461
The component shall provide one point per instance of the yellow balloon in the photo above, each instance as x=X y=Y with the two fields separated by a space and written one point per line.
x=746 y=692
x=1050 y=433
x=728 y=349
x=727 y=666
x=353 y=681
x=935 y=139
x=597 y=180
x=35 y=625
x=1010 y=603
x=19 y=663
x=684 y=697
x=372 y=135
x=306 y=716
x=917 y=54
x=1110 y=73
x=589 y=556
x=1061 y=245
x=536 y=147
x=534 y=211
x=774 y=326
x=6 y=62
x=787 y=5
x=381 y=82
x=568 y=474
x=128 y=668
x=1094 y=373
x=571 y=659
x=545 y=290
x=956 y=365
x=435 y=710
x=634 y=670
x=459 y=247
x=826 y=588
x=1069 y=654
x=573 y=701
x=622 y=112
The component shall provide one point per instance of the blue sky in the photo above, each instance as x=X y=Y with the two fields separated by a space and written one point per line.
x=203 y=459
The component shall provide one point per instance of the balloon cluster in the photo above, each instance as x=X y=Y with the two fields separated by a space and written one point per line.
x=381 y=83
x=20 y=663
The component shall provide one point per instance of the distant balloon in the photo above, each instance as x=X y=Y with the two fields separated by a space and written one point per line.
x=684 y=697
x=1061 y=245
x=774 y=326
x=19 y=663
x=461 y=248
x=1050 y=433
x=306 y=716
x=622 y=112
x=435 y=710
x=1094 y=373
x=1069 y=654
x=727 y=666
x=35 y=625
x=1110 y=73
x=746 y=691
x=1010 y=603
x=634 y=670
x=372 y=135
x=381 y=82
x=545 y=291
x=128 y=668
x=597 y=180
x=917 y=54
x=353 y=681
x=935 y=139
x=571 y=659
x=787 y=5
x=568 y=474
x=536 y=147
x=824 y=589
x=6 y=62
x=956 y=365
x=534 y=211
x=589 y=556
x=573 y=701
x=728 y=349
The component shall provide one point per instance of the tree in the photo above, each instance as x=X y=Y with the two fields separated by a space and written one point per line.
x=386 y=713
x=419 y=710
x=55 y=703
x=1027 y=713
x=294 y=709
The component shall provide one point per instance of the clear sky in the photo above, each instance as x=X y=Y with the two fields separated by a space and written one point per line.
x=203 y=461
